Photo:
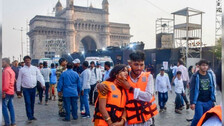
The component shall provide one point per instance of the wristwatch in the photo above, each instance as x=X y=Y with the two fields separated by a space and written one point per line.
x=131 y=90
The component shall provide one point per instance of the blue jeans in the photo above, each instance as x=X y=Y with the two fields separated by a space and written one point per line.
x=184 y=99
x=81 y=104
x=29 y=97
x=200 y=109
x=178 y=101
x=47 y=85
x=163 y=97
x=68 y=102
x=85 y=99
x=7 y=103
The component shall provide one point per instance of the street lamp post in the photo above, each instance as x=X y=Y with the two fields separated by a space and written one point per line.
x=21 y=30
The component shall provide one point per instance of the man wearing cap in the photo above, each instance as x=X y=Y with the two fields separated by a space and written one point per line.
x=162 y=86
x=77 y=68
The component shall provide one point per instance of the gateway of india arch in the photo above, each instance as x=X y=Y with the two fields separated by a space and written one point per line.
x=75 y=29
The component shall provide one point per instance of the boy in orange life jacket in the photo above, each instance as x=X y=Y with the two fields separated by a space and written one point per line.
x=139 y=86
x=110 y=108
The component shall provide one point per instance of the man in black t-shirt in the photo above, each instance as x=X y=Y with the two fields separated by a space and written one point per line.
x=204 y=88
x=202 y=91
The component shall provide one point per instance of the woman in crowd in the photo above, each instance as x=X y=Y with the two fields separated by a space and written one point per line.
x=109 y=109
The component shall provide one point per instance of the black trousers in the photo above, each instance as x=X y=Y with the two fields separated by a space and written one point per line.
x=91 y=93
x=40 y=91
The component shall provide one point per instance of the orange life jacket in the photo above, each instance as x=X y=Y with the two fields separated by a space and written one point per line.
x=140 y=111
x=213 y=111
x=116 y=100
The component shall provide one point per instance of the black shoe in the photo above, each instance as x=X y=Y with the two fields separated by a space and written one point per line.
x=181 y=108
x=34 y=118
x=178 y=111
x=62 y=114
x=189 y=120
x=65 y=120
x=188 y=106
x=75 y=118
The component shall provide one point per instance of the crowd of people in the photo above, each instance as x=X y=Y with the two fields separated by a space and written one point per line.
x=123 y=95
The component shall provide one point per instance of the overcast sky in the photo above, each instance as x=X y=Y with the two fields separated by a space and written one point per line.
x=140 y=14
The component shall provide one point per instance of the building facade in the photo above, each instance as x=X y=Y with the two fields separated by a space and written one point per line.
x=75 y=29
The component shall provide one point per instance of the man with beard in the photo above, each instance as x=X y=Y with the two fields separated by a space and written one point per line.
x=140 y=106
x=107 y=70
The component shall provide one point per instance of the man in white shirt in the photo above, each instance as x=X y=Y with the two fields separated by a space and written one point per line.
x=85 y=84
x=93 y=80
x=162 y=86
x=28 y=77
x=98 y=72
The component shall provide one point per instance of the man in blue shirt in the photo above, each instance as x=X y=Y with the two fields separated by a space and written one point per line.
x=69 y=85
x=107 y=70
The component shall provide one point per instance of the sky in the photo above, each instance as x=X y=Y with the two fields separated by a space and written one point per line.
x=141 y=15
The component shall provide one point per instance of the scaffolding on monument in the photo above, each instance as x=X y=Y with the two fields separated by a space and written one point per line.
x=188 y=34
x=218 y=21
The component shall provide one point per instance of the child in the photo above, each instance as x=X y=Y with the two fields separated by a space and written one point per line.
x=179 y=90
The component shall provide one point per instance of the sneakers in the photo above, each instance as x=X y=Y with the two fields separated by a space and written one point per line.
x=83 y=113
x=29 y=121
x=86 y=116
x=181 y=108
x=178 y=111
x=161 y=110
x=40 y=103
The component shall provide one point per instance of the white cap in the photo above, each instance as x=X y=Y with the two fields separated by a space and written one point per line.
x=76 y=61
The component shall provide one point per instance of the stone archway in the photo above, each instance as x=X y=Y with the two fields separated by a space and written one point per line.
x=87 y=43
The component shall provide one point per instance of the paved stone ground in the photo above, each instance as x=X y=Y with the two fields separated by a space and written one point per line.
x=48 y=115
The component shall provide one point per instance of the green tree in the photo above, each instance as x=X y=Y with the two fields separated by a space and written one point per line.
x=217 y=49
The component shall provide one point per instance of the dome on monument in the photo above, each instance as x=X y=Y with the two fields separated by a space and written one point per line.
x=105 y=2
x=58 y=4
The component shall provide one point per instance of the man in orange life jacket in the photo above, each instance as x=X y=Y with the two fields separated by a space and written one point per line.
x=139 y=87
